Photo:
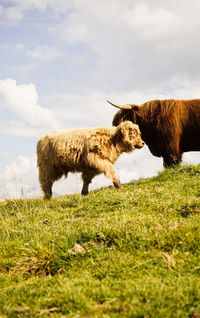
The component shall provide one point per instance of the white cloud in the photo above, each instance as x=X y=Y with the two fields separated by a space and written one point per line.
x=14 y=14
x=5 y=155
x=138 y=164
x=75 y=30
x=32 y=4
x=191 y=158
x=83 y=110
x=42 y=5
x=138 y=44
x=177 y=89
x=19 y=47
x=91 y=108
x=22 y=100
x=20 y=129
x=19 y=179
x=44 y=53
x=20 y=168
x=153 y=23
x=23 y=69
x=1 y=9
x=17 y=9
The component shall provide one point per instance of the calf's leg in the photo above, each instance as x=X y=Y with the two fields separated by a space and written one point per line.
x=87 y=177
x=46 y=184
x=47 y=189
x=106 y=167
x=47 y=177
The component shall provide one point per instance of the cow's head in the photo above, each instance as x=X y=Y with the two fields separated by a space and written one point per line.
x=126 y=112
x=128 y=136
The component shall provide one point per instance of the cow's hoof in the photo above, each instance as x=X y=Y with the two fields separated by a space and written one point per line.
x=84 y=193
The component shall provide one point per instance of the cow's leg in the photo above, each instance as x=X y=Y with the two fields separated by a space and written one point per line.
x=87 y=177
x=171 y=160
x=172 y=156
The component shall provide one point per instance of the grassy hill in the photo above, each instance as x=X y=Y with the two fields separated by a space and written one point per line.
x=138 y=252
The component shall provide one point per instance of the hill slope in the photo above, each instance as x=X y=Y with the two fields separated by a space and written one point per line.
x=138 y=252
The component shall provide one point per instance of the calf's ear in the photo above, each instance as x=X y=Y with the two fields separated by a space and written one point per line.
x=123 y=132
x=118 y=133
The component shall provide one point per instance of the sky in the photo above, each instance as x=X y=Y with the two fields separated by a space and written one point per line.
x=60 y=60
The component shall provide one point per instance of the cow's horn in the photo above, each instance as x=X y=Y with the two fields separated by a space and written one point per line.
x=127 y=106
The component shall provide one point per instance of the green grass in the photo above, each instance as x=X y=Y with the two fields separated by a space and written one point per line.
x=141 y=251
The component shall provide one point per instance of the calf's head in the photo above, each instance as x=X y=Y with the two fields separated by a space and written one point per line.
x=128 y=136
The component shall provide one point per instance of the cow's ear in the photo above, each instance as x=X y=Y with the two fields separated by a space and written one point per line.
x=134 y=114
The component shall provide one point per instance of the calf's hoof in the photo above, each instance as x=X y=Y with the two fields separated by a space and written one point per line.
x=117 y=185
x=47 y=196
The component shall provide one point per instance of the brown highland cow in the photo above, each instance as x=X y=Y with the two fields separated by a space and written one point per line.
x=168 y=127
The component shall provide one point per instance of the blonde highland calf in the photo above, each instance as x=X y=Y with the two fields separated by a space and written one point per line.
x=91 y=151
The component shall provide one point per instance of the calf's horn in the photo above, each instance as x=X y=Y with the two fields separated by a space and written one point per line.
x=127 y=106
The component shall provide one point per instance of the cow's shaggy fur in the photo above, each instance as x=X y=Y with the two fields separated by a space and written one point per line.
x=88 y=150
x=168 y=127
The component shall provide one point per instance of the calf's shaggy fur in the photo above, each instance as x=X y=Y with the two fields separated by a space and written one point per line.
x=90 y=151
